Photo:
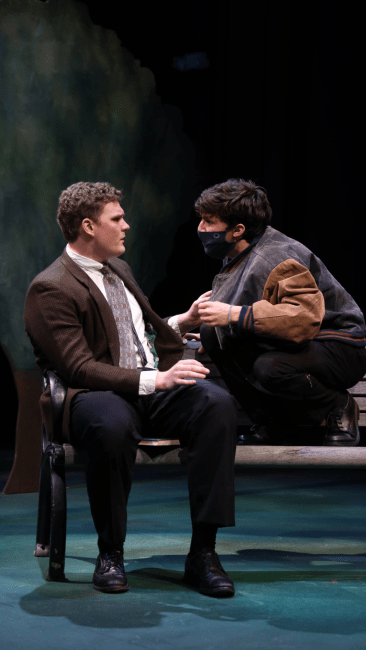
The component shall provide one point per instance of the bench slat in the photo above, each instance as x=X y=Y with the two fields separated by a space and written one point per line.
x=158 y=442
x=359 y=389
x=361 y=401
x=285 y=456
x=302 y=456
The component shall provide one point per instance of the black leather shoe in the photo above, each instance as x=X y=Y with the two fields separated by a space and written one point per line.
x=342 y=426
x=109 y=574
x=258 y=435
x=205 y=572
x=270 y=433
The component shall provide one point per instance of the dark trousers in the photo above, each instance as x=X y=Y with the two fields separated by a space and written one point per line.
x=109 y=427
x=301 y=385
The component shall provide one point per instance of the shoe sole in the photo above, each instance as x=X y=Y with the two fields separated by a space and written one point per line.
x=342 y=444
x=222 y=592
x=112 y=590
x=218 y=592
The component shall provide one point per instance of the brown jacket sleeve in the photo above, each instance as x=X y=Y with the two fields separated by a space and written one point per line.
x=292 y=307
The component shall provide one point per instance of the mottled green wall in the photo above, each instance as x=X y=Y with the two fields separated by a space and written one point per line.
x=75 y=105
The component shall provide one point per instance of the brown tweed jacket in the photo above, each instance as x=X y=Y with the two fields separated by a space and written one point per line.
x=73 y=331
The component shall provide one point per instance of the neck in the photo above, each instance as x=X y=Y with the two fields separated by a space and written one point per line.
x=241 y=245
x=86 y=250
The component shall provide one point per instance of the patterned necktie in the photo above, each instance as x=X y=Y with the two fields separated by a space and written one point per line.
x=118 y=302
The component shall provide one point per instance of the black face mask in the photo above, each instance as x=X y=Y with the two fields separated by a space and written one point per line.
x=215 y=244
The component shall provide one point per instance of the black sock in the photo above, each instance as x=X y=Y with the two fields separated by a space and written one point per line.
x=203 y=536
x=104 y=547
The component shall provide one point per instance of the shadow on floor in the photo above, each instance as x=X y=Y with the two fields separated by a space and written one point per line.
x=298 y=591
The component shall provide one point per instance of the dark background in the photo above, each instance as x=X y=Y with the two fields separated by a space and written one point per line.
x=279 y=103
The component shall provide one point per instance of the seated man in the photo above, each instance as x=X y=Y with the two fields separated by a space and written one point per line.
x=286 y=336
x=90 y=322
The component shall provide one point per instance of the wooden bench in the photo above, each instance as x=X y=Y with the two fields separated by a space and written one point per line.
x=280 y=456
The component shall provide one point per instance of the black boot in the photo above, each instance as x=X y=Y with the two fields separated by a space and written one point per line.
x=342 y=425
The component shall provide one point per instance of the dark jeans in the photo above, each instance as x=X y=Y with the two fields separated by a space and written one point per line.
x=301 y=385
x=109 y=427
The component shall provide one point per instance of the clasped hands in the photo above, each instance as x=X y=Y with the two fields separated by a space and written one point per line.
x=214 y=314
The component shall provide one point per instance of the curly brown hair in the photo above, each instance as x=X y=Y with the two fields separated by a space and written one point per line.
x=81 y=201
x=237 y=201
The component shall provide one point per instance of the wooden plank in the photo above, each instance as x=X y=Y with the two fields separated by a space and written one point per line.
x=275 y=456
x=155 y=442
x=302 y=456
x=361 y=401
x=359 y=389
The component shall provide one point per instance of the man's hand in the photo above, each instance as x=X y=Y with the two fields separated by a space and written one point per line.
x=216 y=314
x=181 y=374
x=191 y=336
x=191 y=318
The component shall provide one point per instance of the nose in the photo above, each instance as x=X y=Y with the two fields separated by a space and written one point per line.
x=201 y=226
x=125 y=225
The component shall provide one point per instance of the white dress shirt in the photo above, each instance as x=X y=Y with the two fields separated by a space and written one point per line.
x=93 y=269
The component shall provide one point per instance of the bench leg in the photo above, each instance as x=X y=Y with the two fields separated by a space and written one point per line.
x=56 y=457
x=44 y=509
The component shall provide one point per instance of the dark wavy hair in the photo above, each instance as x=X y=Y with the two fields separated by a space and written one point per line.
x=237 y=201
x=81 y=201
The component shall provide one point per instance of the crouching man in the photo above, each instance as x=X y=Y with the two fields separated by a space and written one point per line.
x=287 y=337
x=88 y=320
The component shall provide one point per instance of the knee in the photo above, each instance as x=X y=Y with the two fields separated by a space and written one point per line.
x=267 y=370
x=219 y=399
x=116 y=433
x=108 y=423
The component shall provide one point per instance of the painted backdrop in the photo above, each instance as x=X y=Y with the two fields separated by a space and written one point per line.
x=76 y=106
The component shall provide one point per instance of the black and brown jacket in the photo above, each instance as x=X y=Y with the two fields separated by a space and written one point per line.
x=288 y=296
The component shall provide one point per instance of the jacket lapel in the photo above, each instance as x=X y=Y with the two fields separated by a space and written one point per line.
x=102 y=304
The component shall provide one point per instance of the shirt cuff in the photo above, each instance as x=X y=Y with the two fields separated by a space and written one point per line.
x=173 y=322
x=147 y=382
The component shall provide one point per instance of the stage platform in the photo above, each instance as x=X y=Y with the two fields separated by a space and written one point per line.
x=297 y=555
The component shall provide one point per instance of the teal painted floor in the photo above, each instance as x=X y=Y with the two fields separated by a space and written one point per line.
x=297 y=556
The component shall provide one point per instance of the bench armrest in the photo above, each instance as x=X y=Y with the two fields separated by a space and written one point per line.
x=58 y=390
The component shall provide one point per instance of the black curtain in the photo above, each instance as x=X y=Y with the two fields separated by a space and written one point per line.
x=280 y=103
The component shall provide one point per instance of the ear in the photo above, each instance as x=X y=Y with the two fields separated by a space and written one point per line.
x=239 y=231
x=87 y=227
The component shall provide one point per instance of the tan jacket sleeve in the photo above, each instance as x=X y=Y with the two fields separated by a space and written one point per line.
x=292 y=307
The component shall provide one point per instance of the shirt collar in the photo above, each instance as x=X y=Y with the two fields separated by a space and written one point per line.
x=229 y=263
x=85 y=263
